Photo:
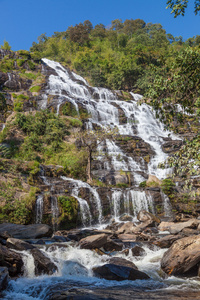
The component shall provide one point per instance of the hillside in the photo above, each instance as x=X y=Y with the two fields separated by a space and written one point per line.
x=47 y=108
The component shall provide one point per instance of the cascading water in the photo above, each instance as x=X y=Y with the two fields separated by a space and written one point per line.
x=78 y=184
x=39 y=209
x=103 y=106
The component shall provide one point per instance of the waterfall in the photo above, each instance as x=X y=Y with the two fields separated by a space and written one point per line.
x=55 y=211
x=80 y=184
x=39 y=208
x=131 y=119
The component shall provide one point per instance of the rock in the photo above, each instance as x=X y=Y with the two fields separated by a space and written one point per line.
x=43 y=265
x=12 y=260
x=4 y=278
x=127 y=237
x=167 y=241
x=138 y=251
x=3 y=78
x=127 y=228
x=18 y=244
x=183 y=257
x=32 y=231
x=94 y=241
x=153 y=178
x=125 y=218
x=126 y=252
x=175 y=228
x=60 y=239
x=145 y=216
x=110 y=245
x=119 y=269
x=164 y=226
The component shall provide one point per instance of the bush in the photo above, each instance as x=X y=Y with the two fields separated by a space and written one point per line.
x=167 y=186
x=143 y=184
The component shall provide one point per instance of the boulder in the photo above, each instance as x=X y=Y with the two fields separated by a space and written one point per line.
x=110 y=245
x=33 y=231
x=4 y=278
x=94 y=241
x=12 y=260
x=175 y=228
x=145 y=216
x=43 y=265
x=183 y=257
x=119 y=269
x=17 y=244
x=138 y=251
x=127 y=237
x=153 y=178
x=127 y=228
x=167 y=241
x=3 y=78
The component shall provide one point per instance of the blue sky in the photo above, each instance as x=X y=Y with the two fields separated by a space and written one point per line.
x=22 y=21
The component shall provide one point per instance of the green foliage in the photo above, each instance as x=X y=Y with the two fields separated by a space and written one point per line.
x=69 y=209
x=122 y=185
x=5 y=46
x=143 y=184
x=68 y=109
x=35 y=88
x=19 y=101
x=75 y=122
x=178 y=7
x=167 y=186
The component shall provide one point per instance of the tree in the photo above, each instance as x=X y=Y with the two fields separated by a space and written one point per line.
x=5 y=46
x=79 y=33
x=90 y=140
x=178 y=7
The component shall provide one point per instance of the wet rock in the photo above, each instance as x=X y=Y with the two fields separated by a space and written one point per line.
x=43 y=265
x=94 y=241
x=4 y=278
x=183 y=257
x=17 y=244
x=110 y=245
x=33 y=231
x=138 y=251
x=60 y=239
x=119 y=269
x=172 y=146
x=74 y=268
x=145 y=216
x=12 y=260
x=126 y=252
x=54 y=247
x=126 y=218
x=167 y=241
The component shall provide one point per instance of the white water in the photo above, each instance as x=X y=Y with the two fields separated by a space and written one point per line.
x=78 y=184
x=39 y=208
x=75 y=268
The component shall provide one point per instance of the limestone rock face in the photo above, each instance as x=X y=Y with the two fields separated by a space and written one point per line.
x=33 y=231
x=94 y=241
x=183 y=257
x=153 y=178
